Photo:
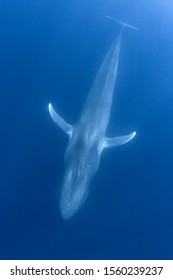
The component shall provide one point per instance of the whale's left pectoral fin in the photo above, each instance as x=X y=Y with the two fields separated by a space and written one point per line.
x=67 y=128
x=117 y=141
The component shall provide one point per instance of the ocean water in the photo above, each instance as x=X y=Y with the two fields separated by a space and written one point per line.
x=50 y=51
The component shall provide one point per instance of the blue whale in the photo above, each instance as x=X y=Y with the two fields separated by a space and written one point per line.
x=87 y=137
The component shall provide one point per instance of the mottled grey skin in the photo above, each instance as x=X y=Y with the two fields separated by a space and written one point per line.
x=87 y=138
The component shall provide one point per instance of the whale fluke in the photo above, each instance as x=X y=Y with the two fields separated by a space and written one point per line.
x=122 y=23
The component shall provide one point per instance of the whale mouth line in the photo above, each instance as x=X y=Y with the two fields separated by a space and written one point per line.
x=69 y=208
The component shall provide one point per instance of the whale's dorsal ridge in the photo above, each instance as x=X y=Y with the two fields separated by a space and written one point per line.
x=67 y=128
x=117 y=141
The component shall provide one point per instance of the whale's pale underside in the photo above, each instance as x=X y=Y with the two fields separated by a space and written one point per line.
x=87 y=137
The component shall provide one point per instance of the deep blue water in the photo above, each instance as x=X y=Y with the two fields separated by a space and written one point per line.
x=50 y=52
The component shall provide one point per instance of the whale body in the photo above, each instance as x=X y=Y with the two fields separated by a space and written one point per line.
x=87 y=137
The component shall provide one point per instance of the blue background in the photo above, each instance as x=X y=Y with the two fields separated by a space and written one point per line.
x=50 y=52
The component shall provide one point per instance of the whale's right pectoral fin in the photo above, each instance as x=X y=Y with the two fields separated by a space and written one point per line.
x=117 y=141
x=60 y=121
